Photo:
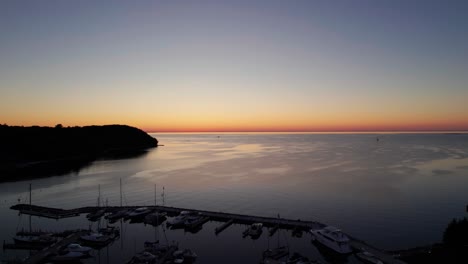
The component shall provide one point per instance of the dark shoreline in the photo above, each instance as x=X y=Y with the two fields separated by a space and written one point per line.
x=36 y=152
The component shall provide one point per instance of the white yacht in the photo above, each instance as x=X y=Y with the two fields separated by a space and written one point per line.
x=332 y=238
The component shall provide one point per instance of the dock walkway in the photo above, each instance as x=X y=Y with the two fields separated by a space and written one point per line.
x=57 y=213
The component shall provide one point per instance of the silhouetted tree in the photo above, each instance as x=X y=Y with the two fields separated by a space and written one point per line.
x=59 y=126
x=456 y=233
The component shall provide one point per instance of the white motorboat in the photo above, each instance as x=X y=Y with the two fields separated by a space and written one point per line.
x=332 y=238
x=180 y=219
x=139 y=213
x=74 y=247
x=195 y=221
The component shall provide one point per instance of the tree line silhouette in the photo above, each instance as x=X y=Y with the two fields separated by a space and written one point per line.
x=27 y=152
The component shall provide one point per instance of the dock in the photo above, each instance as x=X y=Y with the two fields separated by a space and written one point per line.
x=57 y=213
x=273 y=230
x=221 y=228
x=47 y=212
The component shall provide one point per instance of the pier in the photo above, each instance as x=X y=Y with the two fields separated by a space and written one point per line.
x=57 y=213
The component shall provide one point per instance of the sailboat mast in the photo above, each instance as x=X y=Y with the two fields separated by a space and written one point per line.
x=30 y=195
x=120 y=192
x=154 y=194
x=278 y=228
x=30 y=205
x=99 y=196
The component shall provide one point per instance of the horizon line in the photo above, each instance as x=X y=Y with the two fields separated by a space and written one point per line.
x=309 y=131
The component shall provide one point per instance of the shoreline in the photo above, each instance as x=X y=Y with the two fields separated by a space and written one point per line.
x=37 y=152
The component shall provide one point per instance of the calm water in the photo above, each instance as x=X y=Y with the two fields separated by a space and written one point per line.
x=396 y=193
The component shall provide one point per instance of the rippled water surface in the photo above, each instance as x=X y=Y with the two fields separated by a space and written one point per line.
x=398 y=192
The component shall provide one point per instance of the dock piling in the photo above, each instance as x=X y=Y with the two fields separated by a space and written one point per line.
x=221 y=228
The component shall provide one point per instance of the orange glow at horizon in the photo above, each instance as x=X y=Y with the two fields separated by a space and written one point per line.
x=255 y=122
x=311 y=126
x=344 y=126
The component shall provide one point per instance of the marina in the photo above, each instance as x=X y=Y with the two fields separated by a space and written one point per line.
x=255 y=223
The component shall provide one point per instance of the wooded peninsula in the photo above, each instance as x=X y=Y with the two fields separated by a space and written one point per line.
x=31 y=152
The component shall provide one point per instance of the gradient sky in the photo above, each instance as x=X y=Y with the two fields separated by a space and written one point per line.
x=237 y=65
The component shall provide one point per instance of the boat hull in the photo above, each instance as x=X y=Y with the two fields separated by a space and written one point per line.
x=343 y=249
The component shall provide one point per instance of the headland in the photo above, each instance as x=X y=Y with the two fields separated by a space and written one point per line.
x=31 y=152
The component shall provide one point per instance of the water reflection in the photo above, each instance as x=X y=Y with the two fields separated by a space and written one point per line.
x=395 y=193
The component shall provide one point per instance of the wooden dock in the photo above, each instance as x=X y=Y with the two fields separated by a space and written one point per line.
x=57 y=213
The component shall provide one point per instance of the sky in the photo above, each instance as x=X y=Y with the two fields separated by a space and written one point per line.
x=236 y=65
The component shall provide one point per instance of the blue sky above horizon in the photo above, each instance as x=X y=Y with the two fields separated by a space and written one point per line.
x=236 y=66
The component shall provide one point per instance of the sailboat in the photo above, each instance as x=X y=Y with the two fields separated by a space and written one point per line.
x=95 y=216
x=119 y=214
x=273 y=255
